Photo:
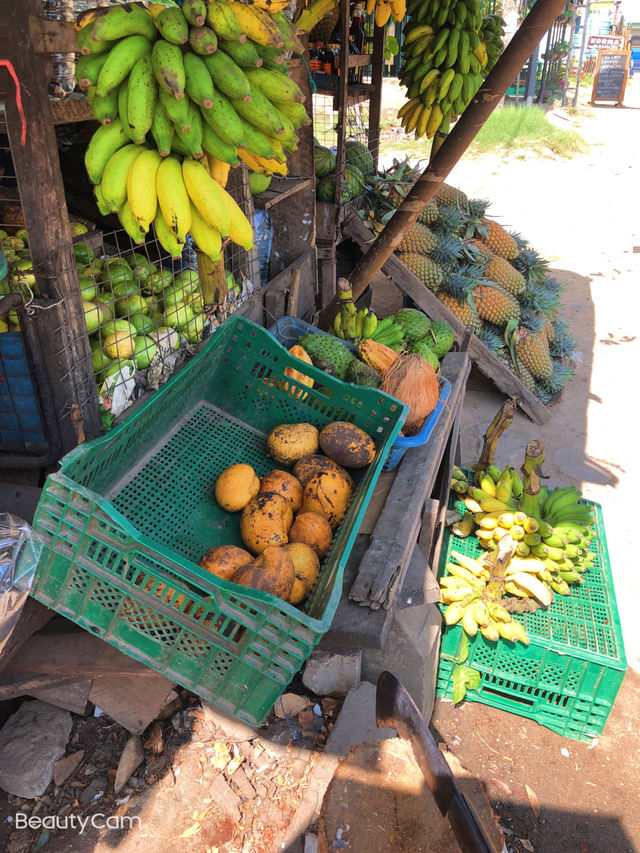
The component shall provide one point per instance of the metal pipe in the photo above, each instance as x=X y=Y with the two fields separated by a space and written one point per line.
x=582 y=47
x=488 y=97
x=572 y=35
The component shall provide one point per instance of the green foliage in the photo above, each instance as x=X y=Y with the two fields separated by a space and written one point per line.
x=527 y=127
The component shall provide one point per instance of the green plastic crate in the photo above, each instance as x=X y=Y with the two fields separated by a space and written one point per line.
x=129 y=514
x=568 y=677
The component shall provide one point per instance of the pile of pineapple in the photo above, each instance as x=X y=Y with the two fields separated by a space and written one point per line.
x=490 y=279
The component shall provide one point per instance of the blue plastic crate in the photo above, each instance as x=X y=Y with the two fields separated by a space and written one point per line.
x=20 y=418
x=287 y=330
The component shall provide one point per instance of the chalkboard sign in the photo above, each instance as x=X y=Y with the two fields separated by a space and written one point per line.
x=611 y=75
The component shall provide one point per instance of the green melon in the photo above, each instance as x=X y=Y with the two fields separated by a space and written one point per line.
x=325 y=161
x=353 y=185
x=358 y=155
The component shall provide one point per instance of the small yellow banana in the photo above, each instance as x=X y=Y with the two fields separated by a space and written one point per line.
x=141 y=187
x=173 y=197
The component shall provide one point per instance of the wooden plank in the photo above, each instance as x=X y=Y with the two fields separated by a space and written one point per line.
x=70 y=110
x=74 y=653
x=52 y=36
x=279 y=190
x=375 y=105
x=395 y=534
x=254 y=308
x=35 y=157
x=482 y=357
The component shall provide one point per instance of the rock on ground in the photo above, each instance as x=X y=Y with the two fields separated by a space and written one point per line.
x=31 y=741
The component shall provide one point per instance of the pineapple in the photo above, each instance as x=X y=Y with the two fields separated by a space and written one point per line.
x=532 y=351
x=448 y=253
x=448 y=195
x=451 y=220
x=532 y=265
x=477 y=209
x=482 y=251
x=456 y=296
x=419 y=239
x=498 y=239
x=495 y=305
x=540 y=298
x=526 y=377
x=428 y=271
x=563 y=344
x=429 y=213
x=546 y=388
x=501 y=271
x=464 y=311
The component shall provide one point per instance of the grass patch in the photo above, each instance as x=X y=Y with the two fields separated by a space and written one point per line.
x=527 y=127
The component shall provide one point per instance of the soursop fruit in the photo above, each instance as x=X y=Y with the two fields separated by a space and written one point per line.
x=415 y=324
x=361 y=374
x=440 y=337
x=422 y=348
x=325 y=349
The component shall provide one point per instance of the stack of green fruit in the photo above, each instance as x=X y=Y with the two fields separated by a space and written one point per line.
x=182 y=94
x=359 y=167
x=132 y=306
x=446 y=51
x=408 y=330
x=20 y=277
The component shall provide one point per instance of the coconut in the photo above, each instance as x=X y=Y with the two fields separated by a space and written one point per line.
x=413 y=381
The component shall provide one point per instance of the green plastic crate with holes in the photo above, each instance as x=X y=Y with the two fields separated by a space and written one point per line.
x=568 y=677
x=129 y=514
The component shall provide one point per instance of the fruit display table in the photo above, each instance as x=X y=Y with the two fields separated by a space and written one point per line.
x=389 y=593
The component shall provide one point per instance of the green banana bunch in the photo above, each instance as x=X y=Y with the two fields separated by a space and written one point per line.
x=446 y=55
x=389 y=333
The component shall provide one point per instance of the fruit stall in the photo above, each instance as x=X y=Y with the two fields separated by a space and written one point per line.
x=248 y=467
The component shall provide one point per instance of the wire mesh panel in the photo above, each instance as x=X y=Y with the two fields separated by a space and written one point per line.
x=145 y=314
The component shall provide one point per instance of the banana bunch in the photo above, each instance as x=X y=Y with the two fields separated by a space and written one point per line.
x=491 y=33
x=354 y=327
x=382 y=10
x=389 y=333
x=445 y=61
x=459 y=482
x=182 y=95
x=463 y=590
x=556 y=539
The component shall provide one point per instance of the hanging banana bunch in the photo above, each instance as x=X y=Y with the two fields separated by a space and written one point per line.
x=382 y=10
x=445 y=60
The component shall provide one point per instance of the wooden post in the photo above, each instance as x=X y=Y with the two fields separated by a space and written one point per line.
x=37 y=166
x=491 y=92
x=375 y=104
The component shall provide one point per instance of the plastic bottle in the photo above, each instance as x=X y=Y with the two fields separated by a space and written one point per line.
x=64 y=64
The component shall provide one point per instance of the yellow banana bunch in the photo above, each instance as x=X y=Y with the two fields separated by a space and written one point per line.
x=382 y=10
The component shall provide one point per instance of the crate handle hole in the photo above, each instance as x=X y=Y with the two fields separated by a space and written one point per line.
x=527 y=702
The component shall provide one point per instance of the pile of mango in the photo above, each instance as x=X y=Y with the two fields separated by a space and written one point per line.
x=288 y=518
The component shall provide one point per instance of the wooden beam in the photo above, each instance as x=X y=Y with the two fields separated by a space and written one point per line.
x=383 y=567
x=494 y=369
x=37 y=166
x=52 y=36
